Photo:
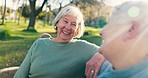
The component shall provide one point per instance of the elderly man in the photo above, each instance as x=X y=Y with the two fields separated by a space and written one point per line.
x=125 y=41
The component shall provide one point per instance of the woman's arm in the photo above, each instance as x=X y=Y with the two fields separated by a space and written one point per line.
x=23 y=71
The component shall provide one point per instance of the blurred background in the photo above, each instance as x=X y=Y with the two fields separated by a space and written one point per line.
x=23 y=21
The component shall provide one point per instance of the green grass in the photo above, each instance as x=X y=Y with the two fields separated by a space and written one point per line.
x=14 y=48
x=11 y=51
x=93 y=36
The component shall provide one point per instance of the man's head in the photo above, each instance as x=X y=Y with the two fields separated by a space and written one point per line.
x=126 y=34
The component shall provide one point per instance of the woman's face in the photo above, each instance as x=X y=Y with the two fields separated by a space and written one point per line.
x=66 y=28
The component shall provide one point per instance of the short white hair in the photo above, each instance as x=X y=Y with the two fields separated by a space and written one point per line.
x=130 y=10
x=72 y=11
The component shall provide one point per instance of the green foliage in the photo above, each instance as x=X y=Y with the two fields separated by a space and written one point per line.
x=41 y=15
x=93 y=39
x=92 y=10
x=4 y=34
x=92 y=35
x=102 y=22
x=26 y=11
x=87 y=32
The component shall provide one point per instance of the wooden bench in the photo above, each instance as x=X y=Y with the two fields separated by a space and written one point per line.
x=8 y=72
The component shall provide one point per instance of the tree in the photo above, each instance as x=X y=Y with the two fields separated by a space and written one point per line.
x=92 y=10
x=53 y=12
x=34 y=13
x=26 y=12
x=3 y=16
x=56 y=2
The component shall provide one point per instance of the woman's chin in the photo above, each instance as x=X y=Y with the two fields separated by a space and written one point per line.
x=65 y=37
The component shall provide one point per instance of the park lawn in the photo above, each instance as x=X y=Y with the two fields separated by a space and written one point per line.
x=14 y=48
x=93 y=36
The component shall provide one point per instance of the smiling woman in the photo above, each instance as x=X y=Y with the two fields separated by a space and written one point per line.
x=62 y=56
x=69 y=24
x=66 y=28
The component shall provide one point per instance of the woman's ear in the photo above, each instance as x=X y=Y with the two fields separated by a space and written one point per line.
x=132 y=31
x=55 y=26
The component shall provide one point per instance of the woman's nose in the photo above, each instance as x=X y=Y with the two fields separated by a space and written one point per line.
x=67 y=26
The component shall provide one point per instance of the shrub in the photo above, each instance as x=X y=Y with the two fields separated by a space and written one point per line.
x=88 y=32
x=4 y=34
x=102 y=22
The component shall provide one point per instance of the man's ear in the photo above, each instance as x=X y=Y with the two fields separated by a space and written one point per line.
x=132 y=32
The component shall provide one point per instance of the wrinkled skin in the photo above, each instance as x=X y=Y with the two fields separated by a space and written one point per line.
x=94 y=64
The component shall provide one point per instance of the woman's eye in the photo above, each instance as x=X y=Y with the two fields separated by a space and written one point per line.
x=66 y=21
x=74 y=25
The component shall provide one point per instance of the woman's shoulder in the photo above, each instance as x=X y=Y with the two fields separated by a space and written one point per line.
x=84 y=42
x=42 y=40
x=81 y=41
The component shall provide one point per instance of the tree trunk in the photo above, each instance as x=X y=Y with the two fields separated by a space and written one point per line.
x=25 y=21
x=31 y=22
x=48 y=18
x=3 y=17
x=34 y=13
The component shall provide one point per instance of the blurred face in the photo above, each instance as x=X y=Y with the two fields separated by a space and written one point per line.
x=113 y=45
x=66 y=28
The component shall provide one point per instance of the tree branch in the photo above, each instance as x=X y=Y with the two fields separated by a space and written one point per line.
x=40 y=9
x=32 y=5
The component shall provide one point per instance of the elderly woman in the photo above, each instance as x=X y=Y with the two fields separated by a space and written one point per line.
x=63 y=56
x=125 y=42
